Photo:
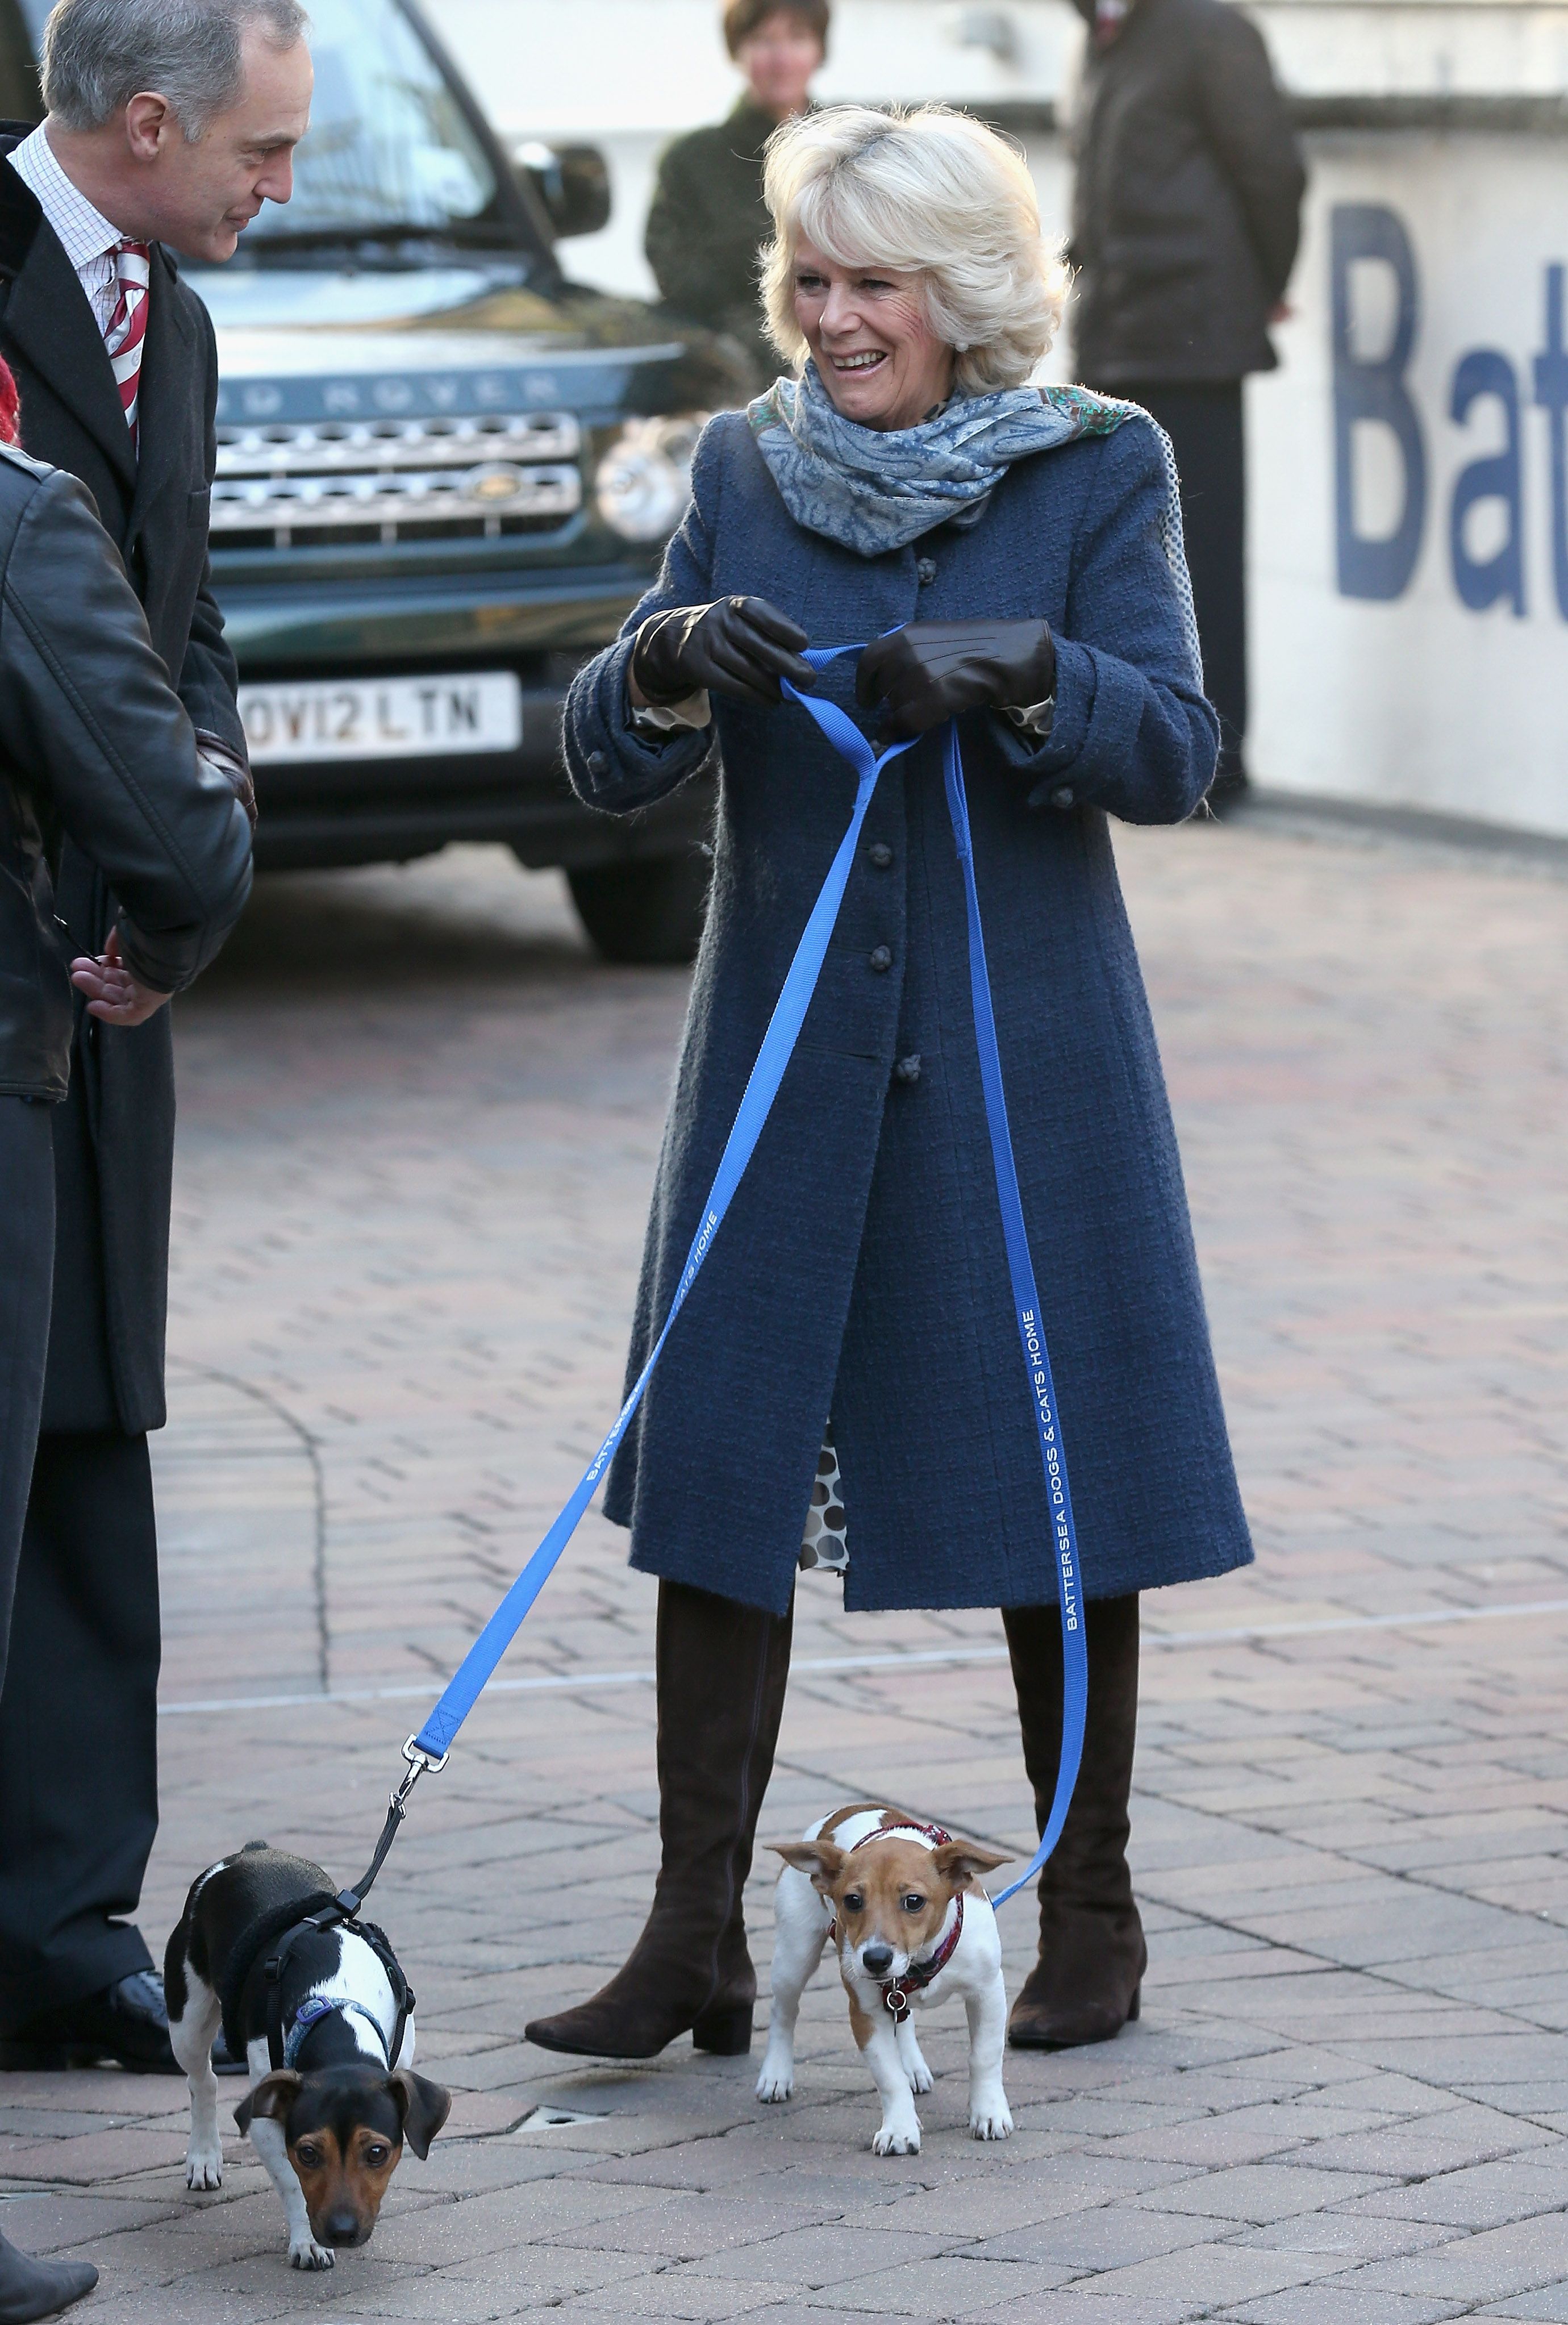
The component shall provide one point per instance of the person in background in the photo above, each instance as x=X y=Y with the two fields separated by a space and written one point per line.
x=1186 y=217
x=708 y=221
x=97 y=751
x=170 y=122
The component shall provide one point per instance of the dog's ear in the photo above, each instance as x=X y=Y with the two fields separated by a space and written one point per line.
x=273 y=2096
x=822 y=1859
x=425 y=2107
x=959 y=1862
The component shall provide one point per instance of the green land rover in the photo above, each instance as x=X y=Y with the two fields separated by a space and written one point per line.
x=444 y=474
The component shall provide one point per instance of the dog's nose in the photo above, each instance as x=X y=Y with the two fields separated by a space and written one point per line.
x=341 y=2228
x=878 y=1959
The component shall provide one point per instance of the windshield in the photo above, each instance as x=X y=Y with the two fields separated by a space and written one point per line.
x=388 y=142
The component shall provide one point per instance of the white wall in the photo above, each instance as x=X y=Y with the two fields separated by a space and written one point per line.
x=585 y=67
x=628 y=75
x=1419 y=698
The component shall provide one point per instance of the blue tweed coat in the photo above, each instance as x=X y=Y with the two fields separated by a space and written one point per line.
x=860 y=1273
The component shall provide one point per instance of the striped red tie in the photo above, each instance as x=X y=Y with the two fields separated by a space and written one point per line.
x=127 y=328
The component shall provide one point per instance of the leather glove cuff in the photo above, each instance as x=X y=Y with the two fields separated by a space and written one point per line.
x=225 y=760
x=655 y=658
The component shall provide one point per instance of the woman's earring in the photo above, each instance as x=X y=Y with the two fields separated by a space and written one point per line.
x=960 y=347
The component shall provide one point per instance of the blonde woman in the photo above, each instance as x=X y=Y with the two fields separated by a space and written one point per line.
x=847 y=1365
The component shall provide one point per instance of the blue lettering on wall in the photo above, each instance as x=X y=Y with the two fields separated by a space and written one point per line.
x=1552 y=393
x=1373 y=392
x=1482 y=581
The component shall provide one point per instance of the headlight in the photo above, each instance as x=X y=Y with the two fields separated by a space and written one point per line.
x=644 y=479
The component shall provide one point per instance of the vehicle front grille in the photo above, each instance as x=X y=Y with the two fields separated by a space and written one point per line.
x=339 y=482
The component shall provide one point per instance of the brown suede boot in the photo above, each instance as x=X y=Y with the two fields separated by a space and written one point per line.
x=1085 y=1986
x=722 y=1671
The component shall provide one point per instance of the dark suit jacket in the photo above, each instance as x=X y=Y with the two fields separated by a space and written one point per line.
x=116 y=1142
x=1187 y=199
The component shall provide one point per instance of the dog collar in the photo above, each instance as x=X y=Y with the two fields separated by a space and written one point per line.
x=896 y=1991
x=331 y=1916
x=328 y=2005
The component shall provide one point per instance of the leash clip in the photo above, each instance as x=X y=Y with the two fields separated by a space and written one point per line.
x=420 y=1763
x=349 y=1901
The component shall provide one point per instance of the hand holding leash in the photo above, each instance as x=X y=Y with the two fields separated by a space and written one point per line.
x=929 y=672
x=739 y=646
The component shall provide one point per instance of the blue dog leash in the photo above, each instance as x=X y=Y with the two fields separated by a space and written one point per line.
x=846 y=737
x=1031 y=1333
x=430 y=1748
x=467 y=1681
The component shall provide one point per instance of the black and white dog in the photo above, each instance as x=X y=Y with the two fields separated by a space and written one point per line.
x=324 y=2018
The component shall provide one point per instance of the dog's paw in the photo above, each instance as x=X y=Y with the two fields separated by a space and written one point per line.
x=775 y=2083
x=921 y=2079
x=204 y=2168
x=897 y=2143
x=306 y=2253
x=991 y=2119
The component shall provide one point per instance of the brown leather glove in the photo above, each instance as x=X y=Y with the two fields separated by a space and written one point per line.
x=224 y=760
x=931 y=670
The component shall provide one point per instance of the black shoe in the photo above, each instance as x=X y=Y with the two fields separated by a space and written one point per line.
x=39 y=2288
x=127 y=2024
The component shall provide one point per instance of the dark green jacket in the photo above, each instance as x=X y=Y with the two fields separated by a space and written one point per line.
x=707 y=222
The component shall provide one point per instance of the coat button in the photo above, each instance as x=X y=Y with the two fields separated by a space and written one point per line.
x=907 y=1069
x=596 y=762
x=881 y=959
x=881 y=855
x=925 y=570
x=1063 y=795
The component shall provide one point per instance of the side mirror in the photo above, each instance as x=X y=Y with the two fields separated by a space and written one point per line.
x=572 y=181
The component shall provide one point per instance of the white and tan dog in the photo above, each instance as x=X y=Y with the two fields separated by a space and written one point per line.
x=902 y=1902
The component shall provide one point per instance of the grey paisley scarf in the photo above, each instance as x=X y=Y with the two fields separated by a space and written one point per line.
x=873 y=491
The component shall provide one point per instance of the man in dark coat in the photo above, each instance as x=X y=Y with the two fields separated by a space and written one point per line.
x=170 y=121
x=96 y=749
x=708 y=219
x=1185 y=221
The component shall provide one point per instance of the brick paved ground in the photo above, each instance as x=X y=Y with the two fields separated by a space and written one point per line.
x=417 y=1126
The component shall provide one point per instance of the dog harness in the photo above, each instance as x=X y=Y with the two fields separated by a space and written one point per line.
x=896 y=1991
x=285 y=2043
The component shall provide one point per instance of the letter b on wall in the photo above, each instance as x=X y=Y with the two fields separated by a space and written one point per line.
x=1369 y=390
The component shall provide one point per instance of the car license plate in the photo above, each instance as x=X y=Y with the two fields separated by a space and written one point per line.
x=382 y=717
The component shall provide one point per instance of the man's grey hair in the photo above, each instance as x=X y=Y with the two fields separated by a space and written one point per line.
x=98 y=54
